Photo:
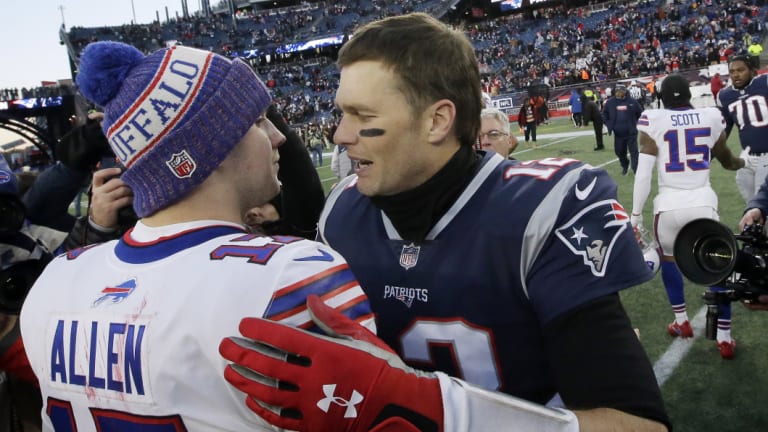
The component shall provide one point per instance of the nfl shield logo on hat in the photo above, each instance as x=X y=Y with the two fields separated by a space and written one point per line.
x=181 y=164
x=409 y=256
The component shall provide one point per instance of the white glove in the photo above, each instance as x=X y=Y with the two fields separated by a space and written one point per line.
x=750 y=162
x=636 y=220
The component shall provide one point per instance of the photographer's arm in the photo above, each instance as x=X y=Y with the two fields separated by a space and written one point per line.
x=108 y=195
x=78 y=151
x=757 y=207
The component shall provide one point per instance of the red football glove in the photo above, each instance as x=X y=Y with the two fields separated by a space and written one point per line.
x=349 y=381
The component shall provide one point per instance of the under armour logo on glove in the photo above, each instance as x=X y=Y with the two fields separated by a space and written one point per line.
x=325 y=403
x=284 y=372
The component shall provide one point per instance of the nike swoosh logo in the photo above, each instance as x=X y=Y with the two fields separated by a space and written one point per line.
x=582 y=194
x=324 y=256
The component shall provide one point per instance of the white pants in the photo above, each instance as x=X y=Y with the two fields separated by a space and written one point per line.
x=669 y=223
x=748 y=181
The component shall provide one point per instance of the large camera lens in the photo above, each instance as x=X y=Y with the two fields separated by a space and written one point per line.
x=714 y=254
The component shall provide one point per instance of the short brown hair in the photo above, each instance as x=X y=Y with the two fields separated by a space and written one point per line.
x=432 y=61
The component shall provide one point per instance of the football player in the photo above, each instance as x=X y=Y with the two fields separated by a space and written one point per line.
x=744 y=104
x=678 y=140
x=496 y=282
x=123 y=335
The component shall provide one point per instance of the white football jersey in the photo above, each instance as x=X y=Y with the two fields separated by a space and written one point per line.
x=684 y=138
x=125 y=335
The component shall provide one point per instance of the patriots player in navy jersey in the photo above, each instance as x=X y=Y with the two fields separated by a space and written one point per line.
x=488 y=277
x=744 y=104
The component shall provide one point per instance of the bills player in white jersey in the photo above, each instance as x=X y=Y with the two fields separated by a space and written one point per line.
x=680 y=141
x=124 y=335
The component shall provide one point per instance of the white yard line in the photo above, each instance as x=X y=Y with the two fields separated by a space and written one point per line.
x=668 y=362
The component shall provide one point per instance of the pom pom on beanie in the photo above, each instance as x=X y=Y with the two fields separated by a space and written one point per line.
x=170 y=117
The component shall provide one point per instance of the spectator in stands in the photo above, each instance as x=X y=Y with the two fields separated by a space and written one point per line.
x=618 y=54
x=620 y=115
x=495 y=134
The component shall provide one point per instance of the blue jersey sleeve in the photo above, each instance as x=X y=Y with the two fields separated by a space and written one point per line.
x=590 y=251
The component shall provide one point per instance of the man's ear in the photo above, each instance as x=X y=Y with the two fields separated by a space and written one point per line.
x=442 y=116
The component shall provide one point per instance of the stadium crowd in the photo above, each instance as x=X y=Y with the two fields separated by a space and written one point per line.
x=557 y=46
x=9 y=94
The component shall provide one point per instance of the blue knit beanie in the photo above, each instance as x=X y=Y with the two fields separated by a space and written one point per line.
x=170 y=117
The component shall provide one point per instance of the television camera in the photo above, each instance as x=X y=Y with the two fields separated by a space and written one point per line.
x=707 y=253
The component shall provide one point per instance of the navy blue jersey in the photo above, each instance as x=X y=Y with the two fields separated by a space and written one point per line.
x=621 y=115
x=524 y=243
x=748 y=110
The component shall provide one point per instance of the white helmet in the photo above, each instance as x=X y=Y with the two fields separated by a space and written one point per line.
x=650 y=248
x=652 y=258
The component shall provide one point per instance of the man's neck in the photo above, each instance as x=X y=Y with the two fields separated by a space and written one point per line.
x=413 y=213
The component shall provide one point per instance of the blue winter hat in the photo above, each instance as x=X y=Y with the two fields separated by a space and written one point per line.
x=170 y=117
x=8 y=183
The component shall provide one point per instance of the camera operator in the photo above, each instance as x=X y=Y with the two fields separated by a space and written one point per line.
x=757 y=207
x=23 y=255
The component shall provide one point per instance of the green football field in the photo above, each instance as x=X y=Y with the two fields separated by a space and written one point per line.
x=702 y=391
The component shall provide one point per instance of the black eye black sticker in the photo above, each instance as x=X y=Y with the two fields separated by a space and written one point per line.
x=372 y=132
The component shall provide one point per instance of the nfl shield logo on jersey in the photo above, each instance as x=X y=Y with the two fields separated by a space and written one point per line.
x=181 y=164
x=409 y=256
